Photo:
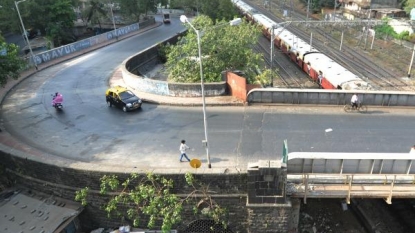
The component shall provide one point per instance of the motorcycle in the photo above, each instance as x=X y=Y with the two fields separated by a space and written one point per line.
x=57 y=101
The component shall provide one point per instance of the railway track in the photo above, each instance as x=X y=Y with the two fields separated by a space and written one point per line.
x=290 y=75
x=356 y=61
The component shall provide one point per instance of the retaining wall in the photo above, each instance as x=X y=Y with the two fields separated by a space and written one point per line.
x=228 y=189
x=330 y=97
x=133 y=68
x=81 y=45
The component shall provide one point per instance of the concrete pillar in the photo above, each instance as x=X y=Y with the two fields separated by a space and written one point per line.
x=268 y=208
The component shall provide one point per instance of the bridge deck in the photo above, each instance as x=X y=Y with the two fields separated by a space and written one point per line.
x=351 y=186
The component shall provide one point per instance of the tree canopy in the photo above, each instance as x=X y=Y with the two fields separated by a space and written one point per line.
x=408 y=5
x=215 y=9
x=148 y=200
x=224 y=47
x=10 y=62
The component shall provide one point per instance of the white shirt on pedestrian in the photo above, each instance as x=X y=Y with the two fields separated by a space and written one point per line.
x=183 y=148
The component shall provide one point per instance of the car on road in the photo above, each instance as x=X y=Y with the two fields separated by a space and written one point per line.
x=122 y=98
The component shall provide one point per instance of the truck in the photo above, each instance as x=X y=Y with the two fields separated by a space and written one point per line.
x=166 y=18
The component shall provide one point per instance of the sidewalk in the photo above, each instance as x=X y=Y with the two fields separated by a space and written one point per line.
x=117 y=79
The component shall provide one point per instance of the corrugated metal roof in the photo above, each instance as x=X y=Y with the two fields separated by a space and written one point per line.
x=31 y=213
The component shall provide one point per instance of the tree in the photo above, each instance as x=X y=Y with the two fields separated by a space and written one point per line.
x=53 y=18
x=150 y=197
x=224 y=47
x=9 y=20
x=264 y=78
x=408 y=5
x=215 y=9
x=59 y=28
x=94 y=12
x=10 y=62
x=218 y=9
x=135 y=8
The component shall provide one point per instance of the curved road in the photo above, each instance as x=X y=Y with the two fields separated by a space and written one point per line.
x=89 y=134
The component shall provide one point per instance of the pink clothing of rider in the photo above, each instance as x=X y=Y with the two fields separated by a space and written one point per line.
x=57 y=99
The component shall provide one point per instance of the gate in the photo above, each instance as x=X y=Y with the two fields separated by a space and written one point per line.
x=205 y=226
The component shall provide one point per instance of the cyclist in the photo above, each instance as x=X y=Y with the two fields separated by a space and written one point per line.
x=354 y=101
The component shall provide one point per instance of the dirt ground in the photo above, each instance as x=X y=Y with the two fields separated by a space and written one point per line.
x=330 y=215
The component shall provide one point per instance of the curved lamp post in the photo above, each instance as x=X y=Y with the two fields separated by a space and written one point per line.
x=111 y=5
x=184 y=19
x=25 y=33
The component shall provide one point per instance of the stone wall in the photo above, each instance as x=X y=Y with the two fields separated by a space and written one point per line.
x=140 y=63
x=228 y=189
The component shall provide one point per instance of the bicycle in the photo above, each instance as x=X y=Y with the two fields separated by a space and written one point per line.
x=360 y=108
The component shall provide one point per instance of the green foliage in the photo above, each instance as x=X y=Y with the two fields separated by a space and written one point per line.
x=223 y=47
x=9 y=21
x=162 y=53
x=317 y=5
x=81 y=196
x=206 y=205
x=95 y=12
x=10 y=62
x=151 y=196
x=384 y=30
x=408 y=5
x=135 y=8
x=403 y=35
x=264 y=78
x=59 y=28
x=411 y=38
x=215 y=9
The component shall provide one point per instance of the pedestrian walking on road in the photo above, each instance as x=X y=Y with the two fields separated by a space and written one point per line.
x=183 y=147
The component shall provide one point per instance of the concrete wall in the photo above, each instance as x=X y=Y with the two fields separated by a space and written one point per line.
x=229 y=190
x=330 y=97
x=85 y=44
x=134 y=66
x=237 y=85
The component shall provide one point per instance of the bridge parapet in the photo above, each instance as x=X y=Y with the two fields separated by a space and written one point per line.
x=351 y=175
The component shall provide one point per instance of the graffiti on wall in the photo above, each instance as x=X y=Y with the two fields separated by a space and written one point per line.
x=122 y=31
x=82 y=44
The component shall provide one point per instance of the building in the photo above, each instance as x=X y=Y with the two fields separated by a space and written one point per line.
x=25 y=211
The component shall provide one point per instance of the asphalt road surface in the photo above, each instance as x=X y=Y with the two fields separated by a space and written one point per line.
x=88 y=131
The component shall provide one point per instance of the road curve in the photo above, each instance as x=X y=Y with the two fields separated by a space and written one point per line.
x=89 y=135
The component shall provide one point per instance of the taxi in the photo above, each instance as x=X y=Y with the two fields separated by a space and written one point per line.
x=122 y=98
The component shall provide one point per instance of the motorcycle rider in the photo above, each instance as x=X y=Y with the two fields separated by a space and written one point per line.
x=354 y=101
x=57 y=99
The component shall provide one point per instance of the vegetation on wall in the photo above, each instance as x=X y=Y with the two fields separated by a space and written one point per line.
x=223 y=47
x=150 y=197
x=386 y=32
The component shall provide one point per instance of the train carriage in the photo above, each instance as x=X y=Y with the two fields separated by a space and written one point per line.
x=266 y=24
x=310 y=60
x=246 y=9
x=335 y=76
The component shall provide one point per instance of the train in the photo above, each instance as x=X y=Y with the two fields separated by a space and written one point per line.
x=319 y=67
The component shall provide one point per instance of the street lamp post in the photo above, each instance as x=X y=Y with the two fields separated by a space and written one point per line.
x=24 y=32
x=113 y=20
x=205 y=142
x=184 y=19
